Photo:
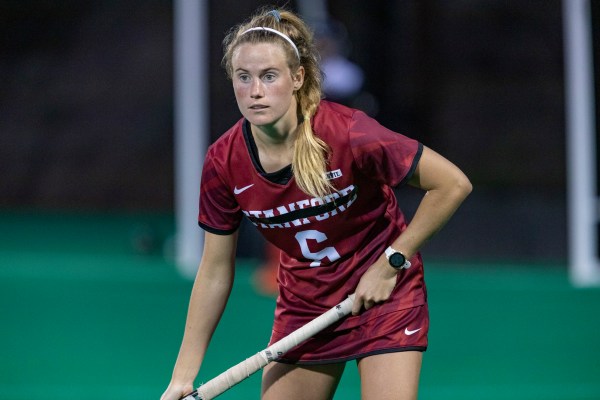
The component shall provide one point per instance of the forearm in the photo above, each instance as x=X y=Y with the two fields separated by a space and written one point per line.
x=434 y=211
x=446 y=188
x=207 y=302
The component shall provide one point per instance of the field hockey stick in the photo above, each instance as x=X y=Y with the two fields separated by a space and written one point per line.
x=243 y=370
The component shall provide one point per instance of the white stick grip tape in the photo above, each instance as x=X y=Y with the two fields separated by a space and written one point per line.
x=243 y=370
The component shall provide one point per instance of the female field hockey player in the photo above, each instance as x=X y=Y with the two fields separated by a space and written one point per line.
x=316 y=180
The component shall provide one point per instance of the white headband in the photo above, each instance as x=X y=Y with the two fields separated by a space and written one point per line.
x=263 y=28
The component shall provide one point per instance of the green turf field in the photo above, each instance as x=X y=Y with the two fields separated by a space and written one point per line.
x=89 y=313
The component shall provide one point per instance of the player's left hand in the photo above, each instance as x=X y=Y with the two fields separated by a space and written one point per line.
x=375 y=286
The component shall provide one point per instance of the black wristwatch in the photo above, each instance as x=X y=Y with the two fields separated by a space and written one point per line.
x=396 y=259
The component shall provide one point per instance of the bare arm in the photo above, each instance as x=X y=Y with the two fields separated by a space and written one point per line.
x=208 y=299
x=446 y=187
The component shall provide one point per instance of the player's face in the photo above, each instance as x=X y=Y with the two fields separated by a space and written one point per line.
x=264 y=85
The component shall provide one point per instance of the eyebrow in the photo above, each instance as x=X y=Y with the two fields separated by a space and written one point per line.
x=261 y=71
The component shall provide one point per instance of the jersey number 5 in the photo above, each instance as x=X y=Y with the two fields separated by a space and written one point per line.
x=328 y=252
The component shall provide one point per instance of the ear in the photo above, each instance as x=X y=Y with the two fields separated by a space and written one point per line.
x=298 y=78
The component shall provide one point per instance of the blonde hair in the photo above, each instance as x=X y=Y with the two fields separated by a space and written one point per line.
x=309 y=162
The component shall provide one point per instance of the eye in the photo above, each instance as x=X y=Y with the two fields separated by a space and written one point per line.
x=269 y=77
x=245 y=78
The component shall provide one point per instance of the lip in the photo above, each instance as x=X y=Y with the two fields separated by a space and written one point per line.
x=258 y=107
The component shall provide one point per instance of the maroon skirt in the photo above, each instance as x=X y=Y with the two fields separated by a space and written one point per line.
x=404 y=330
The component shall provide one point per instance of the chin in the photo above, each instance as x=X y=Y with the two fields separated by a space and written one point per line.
x=260 y=120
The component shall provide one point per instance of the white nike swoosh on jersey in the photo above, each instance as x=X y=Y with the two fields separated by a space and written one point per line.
x=408 y=333
x=240 y=190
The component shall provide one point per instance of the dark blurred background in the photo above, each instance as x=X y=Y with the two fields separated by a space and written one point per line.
x=86 y=107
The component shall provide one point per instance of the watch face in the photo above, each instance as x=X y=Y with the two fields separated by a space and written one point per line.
x=397 y=260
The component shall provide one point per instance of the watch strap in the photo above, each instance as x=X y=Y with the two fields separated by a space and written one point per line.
x=390 y=251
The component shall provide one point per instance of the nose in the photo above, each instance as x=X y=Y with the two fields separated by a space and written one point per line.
x=256 y=90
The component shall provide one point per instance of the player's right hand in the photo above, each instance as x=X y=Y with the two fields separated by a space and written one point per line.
x=177 y=391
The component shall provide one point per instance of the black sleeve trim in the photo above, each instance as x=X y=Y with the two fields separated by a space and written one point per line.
x=216 y=231
x=413 y=167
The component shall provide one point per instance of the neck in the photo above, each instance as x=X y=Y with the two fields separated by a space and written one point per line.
x=274 y=135
x=281 y=132
x=275 y=145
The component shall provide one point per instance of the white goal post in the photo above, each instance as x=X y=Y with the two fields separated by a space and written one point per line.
x=191 y=121
x=581 y=134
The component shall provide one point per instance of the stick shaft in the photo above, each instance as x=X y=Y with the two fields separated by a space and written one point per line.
x=244 y=369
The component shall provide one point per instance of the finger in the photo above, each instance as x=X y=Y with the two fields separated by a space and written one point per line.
x=356 y=305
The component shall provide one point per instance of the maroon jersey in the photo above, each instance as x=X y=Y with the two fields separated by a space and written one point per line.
x=327 y=243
